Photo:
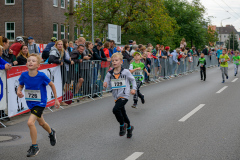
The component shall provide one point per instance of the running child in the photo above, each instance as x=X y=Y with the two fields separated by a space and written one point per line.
x=35 y=83
x=202 y=63
x=236 y=60
x=223 y=60
x=119 y=80
x=137 y=68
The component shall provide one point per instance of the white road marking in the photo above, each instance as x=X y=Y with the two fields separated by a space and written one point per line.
x=134 y=156
x=222 y=89
x=191 y=113
x=235 y=80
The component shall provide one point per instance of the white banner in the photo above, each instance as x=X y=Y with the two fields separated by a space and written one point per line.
x=18 y=105
x=3 y=90
x=114 y=33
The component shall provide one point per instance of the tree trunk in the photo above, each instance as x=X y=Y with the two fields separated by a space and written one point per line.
x=71 y=22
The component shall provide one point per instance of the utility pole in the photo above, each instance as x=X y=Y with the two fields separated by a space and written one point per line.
x=71 y=22
x=92 y=25
x=233 y=38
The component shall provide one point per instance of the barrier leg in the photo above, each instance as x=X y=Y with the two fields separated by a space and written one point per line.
x=3 y=125
x=50 y=109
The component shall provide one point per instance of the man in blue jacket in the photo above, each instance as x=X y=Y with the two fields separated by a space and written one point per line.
x=46 y=51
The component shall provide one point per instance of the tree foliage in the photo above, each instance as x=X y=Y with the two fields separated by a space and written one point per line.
x=162 y=21
x=233 y=40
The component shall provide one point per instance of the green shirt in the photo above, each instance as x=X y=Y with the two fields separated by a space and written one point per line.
x=235 y=58
x=202 y=61
x=138 y=74
x=222 y=57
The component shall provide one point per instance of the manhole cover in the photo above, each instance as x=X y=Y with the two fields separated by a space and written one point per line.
x=8 y=137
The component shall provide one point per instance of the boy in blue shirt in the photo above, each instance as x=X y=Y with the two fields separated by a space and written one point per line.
x=35 y=83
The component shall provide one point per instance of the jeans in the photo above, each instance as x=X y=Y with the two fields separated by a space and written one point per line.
x=224 y=72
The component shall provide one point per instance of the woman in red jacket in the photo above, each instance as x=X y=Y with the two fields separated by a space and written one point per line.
x=105 y=64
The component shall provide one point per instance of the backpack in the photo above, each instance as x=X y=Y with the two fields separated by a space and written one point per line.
x=67 y=97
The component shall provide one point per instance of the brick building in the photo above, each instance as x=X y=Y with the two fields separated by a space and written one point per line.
x=41 y=19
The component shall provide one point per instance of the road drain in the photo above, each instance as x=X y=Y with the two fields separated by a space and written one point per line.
x=8 y=138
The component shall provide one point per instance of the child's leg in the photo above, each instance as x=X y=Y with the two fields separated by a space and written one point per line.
x=204 y=73
x=226 y=71
x=117 y=110
x=201 y=72
x=44 y=124
x=222 y=69
x=235 y=69
x=138 y=90
x=32 y=128
x=125 y=117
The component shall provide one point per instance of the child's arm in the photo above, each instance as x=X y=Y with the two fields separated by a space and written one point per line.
x=133 y=70
x=205 y=62
x=57 y=104
x=107 y=80
x=19 y=91
x=133 y=81
x=197 y=63
x=146 y=71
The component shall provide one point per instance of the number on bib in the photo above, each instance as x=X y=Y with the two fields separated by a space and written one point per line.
x=33 y=95
x=118 y=83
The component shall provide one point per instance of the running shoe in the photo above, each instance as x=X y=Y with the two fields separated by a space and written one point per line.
x=33 y=151
x=134 y=106
x=227 y=77
x=129 y=132
x=143 y=100
x=123 y=130
x=223 y=81
x=53 y=138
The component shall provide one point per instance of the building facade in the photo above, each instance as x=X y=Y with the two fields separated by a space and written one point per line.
x=224 y=33
x=41 y=19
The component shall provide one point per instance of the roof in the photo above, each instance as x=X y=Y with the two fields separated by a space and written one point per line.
x=226 y=30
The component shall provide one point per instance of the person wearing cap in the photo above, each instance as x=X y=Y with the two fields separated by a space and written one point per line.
x=46 y=51
x=15 y=47
x=32 y=47
x=98 y=53
x=137 y=68
x=130 y=44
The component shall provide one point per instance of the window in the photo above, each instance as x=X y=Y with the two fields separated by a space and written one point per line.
x=9 y=2
x=62 y=31
x=62 y=3
x=55 y=30
x=10 y=30
x=55 y=3
x=75 y=32
x=81 y=32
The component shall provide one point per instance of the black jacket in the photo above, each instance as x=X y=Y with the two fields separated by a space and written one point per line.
x=127 y=56
x=8 y=57
x=205 y=51
x=21 y=60
x=99 y=55
x=75 y=56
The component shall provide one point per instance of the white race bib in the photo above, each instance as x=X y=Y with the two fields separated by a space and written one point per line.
x=138 y=73
x=118 y=83
x=33 y=95
x=222 y=59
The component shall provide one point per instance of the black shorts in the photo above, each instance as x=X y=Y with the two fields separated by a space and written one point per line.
x=37 y=111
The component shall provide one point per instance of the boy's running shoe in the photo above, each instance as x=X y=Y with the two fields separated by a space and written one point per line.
x=129 y=132
x=134 y=106
x=53 y=138
x=33 y=151
x=227 y=77
x=123 y=130
x=223 y=81
x=143 y=100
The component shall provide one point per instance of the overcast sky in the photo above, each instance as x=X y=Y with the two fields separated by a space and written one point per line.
x=220 y=10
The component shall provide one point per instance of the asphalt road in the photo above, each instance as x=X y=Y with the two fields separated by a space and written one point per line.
x=182 y=119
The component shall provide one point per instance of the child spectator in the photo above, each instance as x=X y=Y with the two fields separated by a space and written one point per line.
x=35 y=83
x=202 y=63
x=136 y=68
x=147 y=66
x=223 y=60
x=119 y=80
x=23 y=55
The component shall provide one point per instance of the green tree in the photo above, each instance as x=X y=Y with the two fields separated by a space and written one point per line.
x=233 y=40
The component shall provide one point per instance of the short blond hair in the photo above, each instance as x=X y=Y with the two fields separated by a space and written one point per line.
x=119 y=55
x=81 y=39
x=37 y=56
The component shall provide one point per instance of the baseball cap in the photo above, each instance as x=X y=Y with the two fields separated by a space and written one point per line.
x=167 y=48
x=130 y=41
x=53 y=39
x=99 y=44
x=137 y=53
x=19 y=38
x=30 y=37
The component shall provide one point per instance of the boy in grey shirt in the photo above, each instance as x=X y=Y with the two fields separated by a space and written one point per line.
x=118 y=79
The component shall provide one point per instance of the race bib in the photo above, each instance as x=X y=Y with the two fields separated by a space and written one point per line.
x=138 y=73
x=236 y=62
x=222 y=59
x=118 y=83
x=33 y=95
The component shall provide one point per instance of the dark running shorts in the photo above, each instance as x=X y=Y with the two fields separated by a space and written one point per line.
x=37 y=111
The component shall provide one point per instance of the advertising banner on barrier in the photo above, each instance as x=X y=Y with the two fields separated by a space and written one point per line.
x=16 y=105
x=3 y=90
